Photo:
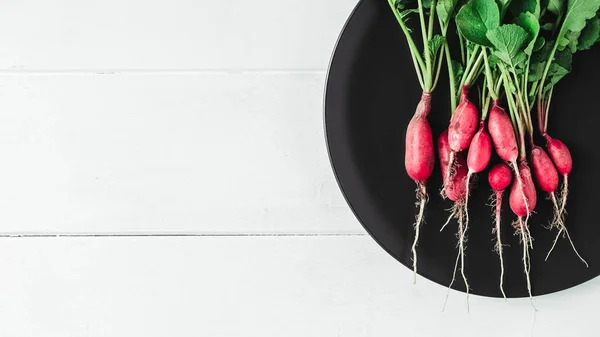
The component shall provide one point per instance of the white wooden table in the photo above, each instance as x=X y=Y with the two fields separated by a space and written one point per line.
x=126 y=125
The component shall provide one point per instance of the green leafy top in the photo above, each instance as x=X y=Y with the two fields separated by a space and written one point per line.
x=476 y=18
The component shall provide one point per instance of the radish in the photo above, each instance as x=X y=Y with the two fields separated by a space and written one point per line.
x=463 y=126
x=419 y=157
x=560 y=154
x=522 y=202
x=456 y=191
x=499 y=178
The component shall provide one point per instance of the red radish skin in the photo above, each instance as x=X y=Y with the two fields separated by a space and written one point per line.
x=561 y=156
x=463 y=123
x=502 y=134
x=463 y=126
x=419 y=160
x=544 y=170
x=455 y=189
x=480 y=150
x=499 y=178
x=520 y=206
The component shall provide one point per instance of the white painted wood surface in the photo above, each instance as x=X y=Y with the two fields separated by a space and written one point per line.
x=258 y=286
x=131 y=117
x=167 y=153
x=169 y=34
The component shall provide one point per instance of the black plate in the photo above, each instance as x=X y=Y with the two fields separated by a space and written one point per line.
x=371 y=94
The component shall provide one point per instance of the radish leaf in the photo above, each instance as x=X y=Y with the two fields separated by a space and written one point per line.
x=435 y=44
x=532 y=6
x=508 y=41
x=476 y=18
x=589 y=34
x=529 y=22
x=445 y=8
x=578 y=12
x=556 y=7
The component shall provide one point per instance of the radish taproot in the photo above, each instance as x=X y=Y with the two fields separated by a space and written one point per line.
x=560 y=154
x=499 y=178
x=419 y=157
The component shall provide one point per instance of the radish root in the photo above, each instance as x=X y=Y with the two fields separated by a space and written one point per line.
x=498 y=247
x=564 y=194
x=453 y=279
x=522 y=228
x=449 y=174
x=462 y=229
x=559 y=223
x=422 y=199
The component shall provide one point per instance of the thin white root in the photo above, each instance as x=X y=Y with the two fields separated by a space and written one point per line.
x=461 y=231
x=564 y=194
x=558 y=222
x=453 y=279
x=499 y=242
x=554 y=244
x=575 y=250
x=448 y=221
x=422 y=199
x=449 y=174
x=526 y=258
x=466 y=205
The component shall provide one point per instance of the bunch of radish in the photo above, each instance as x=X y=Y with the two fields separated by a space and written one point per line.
x=515 y=52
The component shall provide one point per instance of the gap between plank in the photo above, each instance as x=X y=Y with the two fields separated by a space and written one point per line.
x=96 y=235
x=79 y=72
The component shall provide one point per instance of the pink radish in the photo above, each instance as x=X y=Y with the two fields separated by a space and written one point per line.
x=499 y=177
x=463 y=125
x=547 y=177
x=503 y=136
x=419 y=160
x=455 y=190
x=523 y=199
x=561 y=156
x=480 y=152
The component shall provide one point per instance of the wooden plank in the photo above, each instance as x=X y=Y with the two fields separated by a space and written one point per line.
x=249 y=286
x=124 y=35
x=203 y=153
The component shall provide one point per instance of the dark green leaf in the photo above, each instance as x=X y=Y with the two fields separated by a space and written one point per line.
x=536 y=70
x=547 y=26
x=589 y=34
x=445 y=9
x=458 y=72
x=556 y=6
x=476 y=18
x=504 y=4
x=529 y=22
x=569 y=41
x=508 y=41
x=578 y=12
x=539 y=43
x=522 y=6
x=427 y=3
x=564 y=59
x=555 y=74
x=435 y=44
